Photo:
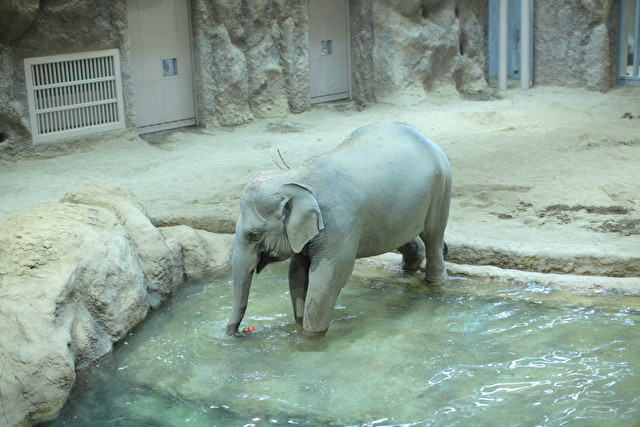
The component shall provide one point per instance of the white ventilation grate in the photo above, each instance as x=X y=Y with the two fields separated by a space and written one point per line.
x=74 y=94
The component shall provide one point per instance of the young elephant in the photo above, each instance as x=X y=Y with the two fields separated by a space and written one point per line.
x=379 y=189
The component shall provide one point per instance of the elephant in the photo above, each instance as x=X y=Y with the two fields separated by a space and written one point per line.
x=385 y=187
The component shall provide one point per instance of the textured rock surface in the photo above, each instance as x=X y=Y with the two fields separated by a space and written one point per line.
x=16 y=17
x=251 y=59
x=574 y=43
x=153 y=254
x=403 y=50
x=196 y=253
x=71 y=285
x=75 y=277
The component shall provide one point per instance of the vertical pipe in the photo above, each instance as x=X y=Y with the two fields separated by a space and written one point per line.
x=623 y=44
x=636 y=50
x=525 y=43
x=502 y=45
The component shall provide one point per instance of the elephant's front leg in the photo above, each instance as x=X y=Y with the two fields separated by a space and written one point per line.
x=326 y=279
x=298 y=284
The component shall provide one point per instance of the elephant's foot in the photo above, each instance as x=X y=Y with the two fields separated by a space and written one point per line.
x=413 y=254
x=316 y=322
x=436 y=277
x=314 y=334
x=232 y=329
x=411 y=267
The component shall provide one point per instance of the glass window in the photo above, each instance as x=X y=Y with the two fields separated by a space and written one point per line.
x=628 y=52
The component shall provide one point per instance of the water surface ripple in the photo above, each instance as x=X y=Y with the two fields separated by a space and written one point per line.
x=399 y=352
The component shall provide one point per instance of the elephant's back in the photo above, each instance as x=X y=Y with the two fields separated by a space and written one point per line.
x=384 y=148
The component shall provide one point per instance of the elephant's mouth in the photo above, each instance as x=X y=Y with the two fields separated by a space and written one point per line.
x=265 y=258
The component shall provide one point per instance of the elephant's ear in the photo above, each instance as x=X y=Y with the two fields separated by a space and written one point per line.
x=301 y=215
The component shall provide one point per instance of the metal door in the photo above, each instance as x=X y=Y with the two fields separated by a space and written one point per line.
x=329 y=74
x=161 y=71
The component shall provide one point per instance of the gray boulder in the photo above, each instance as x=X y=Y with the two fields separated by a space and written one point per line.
x=152 y=252
x=75 y=277
x=70 y=286
x=197 y=253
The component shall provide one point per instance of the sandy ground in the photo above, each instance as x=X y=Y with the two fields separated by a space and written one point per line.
x=545 y=180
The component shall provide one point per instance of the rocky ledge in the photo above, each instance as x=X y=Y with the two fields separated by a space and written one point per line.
x=75 y=277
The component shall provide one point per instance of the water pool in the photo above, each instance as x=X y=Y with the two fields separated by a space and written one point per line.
x=399 y=352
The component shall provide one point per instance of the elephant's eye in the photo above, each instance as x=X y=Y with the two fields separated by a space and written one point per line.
x=253 y=237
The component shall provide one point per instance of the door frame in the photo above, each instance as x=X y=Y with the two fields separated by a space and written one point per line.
x=338 y=97
x=175 y=124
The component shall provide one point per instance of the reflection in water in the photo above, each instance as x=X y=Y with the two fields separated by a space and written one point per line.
x=399 y=352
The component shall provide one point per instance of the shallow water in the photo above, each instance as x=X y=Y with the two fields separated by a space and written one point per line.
x=399 y=352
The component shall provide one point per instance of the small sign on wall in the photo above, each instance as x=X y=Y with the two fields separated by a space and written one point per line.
x=169 y=67
x=325 y=47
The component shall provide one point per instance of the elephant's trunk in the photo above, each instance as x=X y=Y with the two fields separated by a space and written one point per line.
x=243 y=267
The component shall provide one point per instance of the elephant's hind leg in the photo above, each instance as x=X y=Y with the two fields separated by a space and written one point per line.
x=435 y=248
x=413 y=254
x=433 y=235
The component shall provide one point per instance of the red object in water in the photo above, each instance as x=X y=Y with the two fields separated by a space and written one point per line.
x=251 y=328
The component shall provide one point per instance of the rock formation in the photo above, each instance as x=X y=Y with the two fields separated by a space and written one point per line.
x=252 y=59
x=75 y=277
x=408 y=49
x=574 y=44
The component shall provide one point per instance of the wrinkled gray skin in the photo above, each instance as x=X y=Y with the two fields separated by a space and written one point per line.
x=379 y=189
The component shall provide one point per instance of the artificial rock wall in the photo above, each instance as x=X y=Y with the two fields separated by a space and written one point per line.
x=251 y=56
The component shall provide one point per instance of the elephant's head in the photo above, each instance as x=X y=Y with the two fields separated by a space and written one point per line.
x=276 y=220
